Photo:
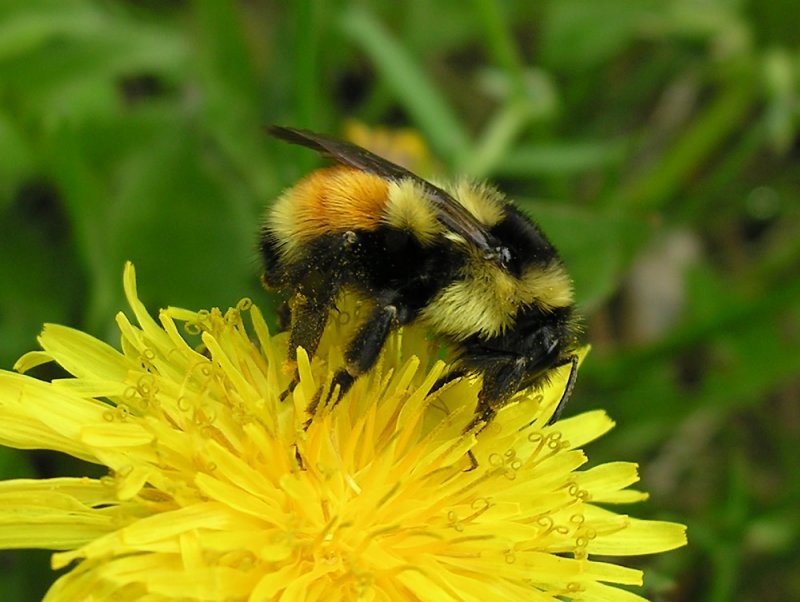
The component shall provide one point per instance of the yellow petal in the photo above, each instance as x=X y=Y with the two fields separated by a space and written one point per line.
x=83 y=355
x=638 y=537
x=57 y=514
x=217 y=489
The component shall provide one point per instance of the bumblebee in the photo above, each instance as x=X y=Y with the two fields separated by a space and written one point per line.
x=459 y=259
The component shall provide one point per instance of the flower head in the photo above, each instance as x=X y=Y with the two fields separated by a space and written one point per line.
x=216 y=491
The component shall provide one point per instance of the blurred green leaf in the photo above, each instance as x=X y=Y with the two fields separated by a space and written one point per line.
x=657 y=185
x=39 y=277
x=596 y=246
x=408 y=80
x=81 y=57
x=16 y=158
x=560 y=158
x=581 y=35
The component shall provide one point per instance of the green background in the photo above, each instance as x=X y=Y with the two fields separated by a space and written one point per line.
x=655 y=141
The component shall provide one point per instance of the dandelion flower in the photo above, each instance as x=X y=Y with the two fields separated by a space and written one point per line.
x=215 y=491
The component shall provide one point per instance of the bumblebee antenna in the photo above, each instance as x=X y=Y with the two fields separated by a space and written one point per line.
x=573 y=376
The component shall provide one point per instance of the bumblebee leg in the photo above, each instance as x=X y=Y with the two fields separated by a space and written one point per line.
x=361 y=354
x=310 y=306
x=483 y=416
x=289 y=388
x=451 y=376
x=284 y=315
x=363 y=351
x=308 y=322
x=309 y=316
x=447 y=379
x=500 y=381
x=341 y=379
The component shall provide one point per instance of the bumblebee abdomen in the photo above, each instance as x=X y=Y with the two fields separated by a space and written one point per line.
x=329 y=200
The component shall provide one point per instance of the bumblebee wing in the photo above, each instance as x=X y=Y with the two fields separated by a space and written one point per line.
x=450 y=212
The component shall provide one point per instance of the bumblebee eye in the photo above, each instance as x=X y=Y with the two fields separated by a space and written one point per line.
x=545 y=341
x=506 y=259
x=501 y=255
x=551 y=342
x=505 y=256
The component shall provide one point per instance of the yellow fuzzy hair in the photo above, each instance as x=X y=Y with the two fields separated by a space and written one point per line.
x=333 y=199
x=407 y=209
x=480 y=199
x=487 y=300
